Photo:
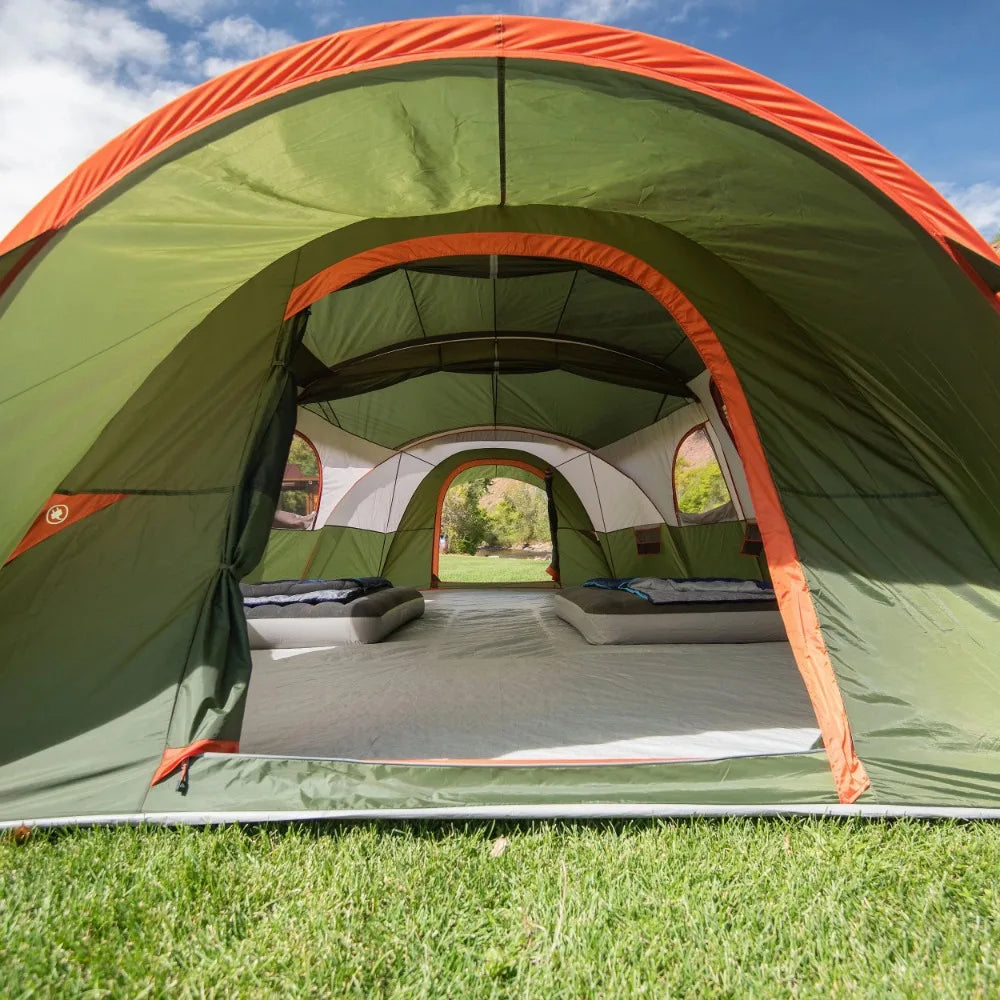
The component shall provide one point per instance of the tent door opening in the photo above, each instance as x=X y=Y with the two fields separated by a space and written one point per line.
x=496 y=524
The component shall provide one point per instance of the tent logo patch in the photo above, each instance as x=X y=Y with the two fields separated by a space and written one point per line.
x=57 y=513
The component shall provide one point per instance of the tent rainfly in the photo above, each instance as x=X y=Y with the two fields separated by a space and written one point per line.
x=548 y=248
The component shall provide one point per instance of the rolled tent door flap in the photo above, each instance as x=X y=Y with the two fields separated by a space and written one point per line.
x=208 y=709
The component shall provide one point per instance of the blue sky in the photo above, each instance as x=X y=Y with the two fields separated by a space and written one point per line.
x=922 y=77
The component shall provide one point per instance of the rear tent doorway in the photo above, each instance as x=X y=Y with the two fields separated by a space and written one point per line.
x=495 y=525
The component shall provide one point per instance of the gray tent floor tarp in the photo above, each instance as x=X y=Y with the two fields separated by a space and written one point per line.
x=494 y=674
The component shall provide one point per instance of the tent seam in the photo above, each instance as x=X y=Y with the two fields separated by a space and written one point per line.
x=502 y=124
x=819 y=495
x=413 y=299
x=565 y=305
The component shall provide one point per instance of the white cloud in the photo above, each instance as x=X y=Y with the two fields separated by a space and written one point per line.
x=244 y=38
x=189 y=11
x=230 y=42
x=75 y=73
x=326 y=15
x=97 y=36
x=598 y=11
x=613 y=11
x=72 y=75
x=979 y=203
x=216 y=66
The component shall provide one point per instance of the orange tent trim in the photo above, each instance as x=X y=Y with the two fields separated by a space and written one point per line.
x=175 y=758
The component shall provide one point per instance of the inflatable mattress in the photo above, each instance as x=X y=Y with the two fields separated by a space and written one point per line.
x=315 y=621
x=606 y=617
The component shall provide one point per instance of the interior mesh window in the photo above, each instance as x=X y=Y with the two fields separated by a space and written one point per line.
x=699 y=485
x=647 y=540
x=298 y=501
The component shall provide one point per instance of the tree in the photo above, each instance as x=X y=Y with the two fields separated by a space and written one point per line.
x=303 y=455
x=521 y=517
x=463 y=520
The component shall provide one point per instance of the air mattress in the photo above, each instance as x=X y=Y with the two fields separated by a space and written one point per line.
x=331 y=623
x=613 y=617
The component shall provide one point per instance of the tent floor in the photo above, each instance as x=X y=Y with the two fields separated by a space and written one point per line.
x=489 y=675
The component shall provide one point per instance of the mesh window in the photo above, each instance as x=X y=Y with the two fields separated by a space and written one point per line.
x=699 y=485
x=298 y=501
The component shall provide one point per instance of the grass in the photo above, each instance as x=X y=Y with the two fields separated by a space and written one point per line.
x=453 y=568
x=739 y=908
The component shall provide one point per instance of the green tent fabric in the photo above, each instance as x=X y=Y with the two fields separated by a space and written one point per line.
x=150 y=355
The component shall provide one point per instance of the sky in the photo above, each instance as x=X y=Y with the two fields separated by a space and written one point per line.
x=922 y=77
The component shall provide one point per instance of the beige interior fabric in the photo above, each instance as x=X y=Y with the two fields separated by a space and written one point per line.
x=379 y=497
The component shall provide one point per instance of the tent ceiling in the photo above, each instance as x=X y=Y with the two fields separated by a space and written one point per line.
x=211 y=211
x=593 y=413
x=379 y=497
x=489 y=294
x=451 y=342
x=503 y=353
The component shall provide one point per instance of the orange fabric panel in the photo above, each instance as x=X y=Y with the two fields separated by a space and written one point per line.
x=492 y=36
x=60 y=511
x=173 y=758
x=474 y=463
x=787 y=575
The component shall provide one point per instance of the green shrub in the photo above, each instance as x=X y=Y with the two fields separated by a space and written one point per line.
x=521 y=517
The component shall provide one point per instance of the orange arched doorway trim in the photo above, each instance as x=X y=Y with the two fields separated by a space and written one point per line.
x=443 y=492
x=787 y=574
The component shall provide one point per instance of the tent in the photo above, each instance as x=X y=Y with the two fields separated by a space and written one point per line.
x=510 y=240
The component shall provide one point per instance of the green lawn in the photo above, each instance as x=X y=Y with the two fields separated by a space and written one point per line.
x=494 y=569
x=739 y=908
